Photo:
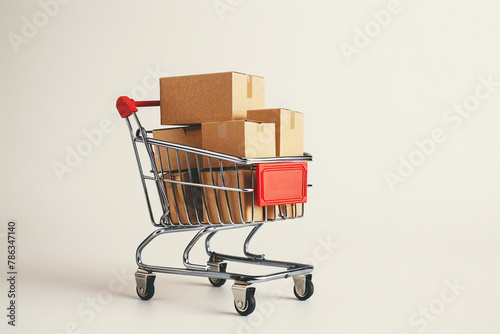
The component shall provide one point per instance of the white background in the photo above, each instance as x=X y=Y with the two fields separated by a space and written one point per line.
x=393 y=249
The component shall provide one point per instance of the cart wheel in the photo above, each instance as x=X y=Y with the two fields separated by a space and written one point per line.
x=306 y=294
x=217 y=282
x=150 y=291
x=249 y=307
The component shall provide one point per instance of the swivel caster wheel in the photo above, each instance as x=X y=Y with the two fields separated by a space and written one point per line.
x=246 y=309
x=303 y=287
x=217 y=282
x=145 y=284
x=244 y=298
x=217 y=267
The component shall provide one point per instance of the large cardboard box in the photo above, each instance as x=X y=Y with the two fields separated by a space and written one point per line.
x=212 y=97
x=289 y=127
x=239 y=138
x=182 y=199
x=190 y=136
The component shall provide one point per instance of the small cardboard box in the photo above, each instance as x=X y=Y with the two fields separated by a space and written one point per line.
x=181 y=198
x=190 y=136
x=289 y=127
x=239 y=138
x=212 y=97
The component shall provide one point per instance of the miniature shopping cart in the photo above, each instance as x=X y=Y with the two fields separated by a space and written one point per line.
x=209 y=192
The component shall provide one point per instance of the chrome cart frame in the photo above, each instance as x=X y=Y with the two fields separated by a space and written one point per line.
x=208 y=194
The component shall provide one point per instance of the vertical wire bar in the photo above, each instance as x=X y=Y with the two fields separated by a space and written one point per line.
x=193 y=188
x=182 y=187
x=204 y=205
x=164 y=204
x=225 y=191
x=243 y=220
x=252 y=184
x=173 y=187
x=215 y=190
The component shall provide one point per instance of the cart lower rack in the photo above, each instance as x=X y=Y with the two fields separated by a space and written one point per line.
x=210 y=192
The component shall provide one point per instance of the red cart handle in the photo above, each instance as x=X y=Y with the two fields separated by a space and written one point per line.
x=126 y=106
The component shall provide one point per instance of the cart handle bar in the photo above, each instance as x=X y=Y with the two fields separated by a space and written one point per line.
x=126 y=106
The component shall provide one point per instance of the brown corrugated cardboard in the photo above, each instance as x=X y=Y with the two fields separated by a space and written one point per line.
x=228 y=202
x=239 y=138
x=214 y=199
x=212 y=97
x=181 y=199
x=289 y=129
x=190 y=136
x=233 y=198
x=209 y=204
x=290 y=210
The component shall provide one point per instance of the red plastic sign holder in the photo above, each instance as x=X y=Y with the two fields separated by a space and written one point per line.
x=281 y=183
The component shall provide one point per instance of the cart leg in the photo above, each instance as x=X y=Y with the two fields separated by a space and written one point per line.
x=247 y=242
x=190 y=246
x=145 y=284
x=208 y=249
x=244 y=298
x=249 y=255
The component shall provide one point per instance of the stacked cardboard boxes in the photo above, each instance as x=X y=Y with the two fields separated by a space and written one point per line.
x=226 y=114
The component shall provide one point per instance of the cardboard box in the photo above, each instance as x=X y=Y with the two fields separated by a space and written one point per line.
x=182 y=199
x=289 y=127
x=190 y=136
x=289 y=210
x=214 y=199
x=233 y=198
x=209 y=202
x=226 y=204
x=239 y=138
x=229 y=201
x=212 y=97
